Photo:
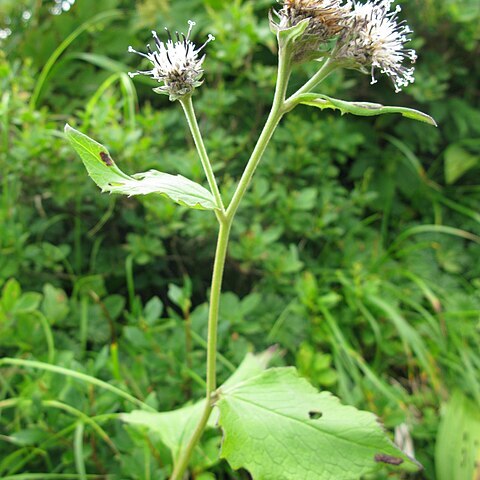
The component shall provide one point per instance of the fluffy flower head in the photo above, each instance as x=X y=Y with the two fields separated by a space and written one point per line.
x=327 y=19
x=176 y=63
x=376 y=39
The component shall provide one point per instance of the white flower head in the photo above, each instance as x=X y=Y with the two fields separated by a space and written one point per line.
x=327 y=19
x=376 y=39
x=176 y=63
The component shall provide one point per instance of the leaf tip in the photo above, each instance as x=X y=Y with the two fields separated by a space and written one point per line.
x=67 y=129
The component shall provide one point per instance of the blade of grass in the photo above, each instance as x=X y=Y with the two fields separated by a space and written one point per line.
x=412 y=161
x=48 y=335
x=56 y=436
x=360 y=362
x=409 y=335
x=31 y=452
x=419 y=229
x=110 y=65
x=78 y=451
x=77 y=375
x=89 y=109
x=83 y=334
x=456 y=232
x=458 y=207
x=129 y=98
x=83 y=418
x=101 y=17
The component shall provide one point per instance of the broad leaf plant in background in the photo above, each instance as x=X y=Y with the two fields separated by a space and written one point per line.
x=274 y=423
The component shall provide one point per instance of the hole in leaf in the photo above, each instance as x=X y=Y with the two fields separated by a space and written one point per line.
x=383 y=458
x=315 y=415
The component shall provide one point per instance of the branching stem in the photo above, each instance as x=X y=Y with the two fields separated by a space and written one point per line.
x=187 y=105
x=225 y=218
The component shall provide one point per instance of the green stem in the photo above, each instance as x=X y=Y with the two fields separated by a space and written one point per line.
x=217 y=277
x=327 y=68
x=220 y=256
x=226 y=221
x=276 y=114
x=187 y=105
x=184 y=458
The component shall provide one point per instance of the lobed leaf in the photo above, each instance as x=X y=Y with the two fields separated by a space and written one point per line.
x=276 y=425
x=110 y=178
x=364 y=109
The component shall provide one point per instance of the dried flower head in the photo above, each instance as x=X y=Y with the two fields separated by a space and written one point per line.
x=327 y=19
x=376 y=39
x=176 y=63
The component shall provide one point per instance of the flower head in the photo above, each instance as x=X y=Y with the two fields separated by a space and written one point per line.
x=176 y=63
x=327 y=19
x=376 y=39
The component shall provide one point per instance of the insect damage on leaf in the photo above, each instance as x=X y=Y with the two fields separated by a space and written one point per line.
x=315 y=415
x=106 y=159
x=383 y=458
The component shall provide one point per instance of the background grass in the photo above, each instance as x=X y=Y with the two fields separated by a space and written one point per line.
x=356 y=250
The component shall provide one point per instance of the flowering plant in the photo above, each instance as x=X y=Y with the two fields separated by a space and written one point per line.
x=274 y=423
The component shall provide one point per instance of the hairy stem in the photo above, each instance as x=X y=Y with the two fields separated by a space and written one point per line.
x=187 y=105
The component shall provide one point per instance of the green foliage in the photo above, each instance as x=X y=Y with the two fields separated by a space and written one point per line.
x=85 y=278
x=175 y=427
x=278 y=426
x=363 y=109
x=110 y=178
x=458 y=441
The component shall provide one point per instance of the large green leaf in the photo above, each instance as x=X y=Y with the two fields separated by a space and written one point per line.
x=363 y=109
x=176 y=427
x=277 y=426
x=110 y=178
x=457 y=452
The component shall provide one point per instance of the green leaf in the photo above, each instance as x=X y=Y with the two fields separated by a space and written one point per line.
x=458 y=162
x=277 y=426
x=176 y=427
x=287 y=35
x=457 y=451
x=173 y=428
x=110 y=178
x=292 y=34
x=363 y=109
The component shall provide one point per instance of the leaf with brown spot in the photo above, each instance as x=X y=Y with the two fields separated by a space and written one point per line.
x=383 y=458
x=106 y=159
x=106 y=174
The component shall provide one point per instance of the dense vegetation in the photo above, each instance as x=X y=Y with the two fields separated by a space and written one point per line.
x=356 y=251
